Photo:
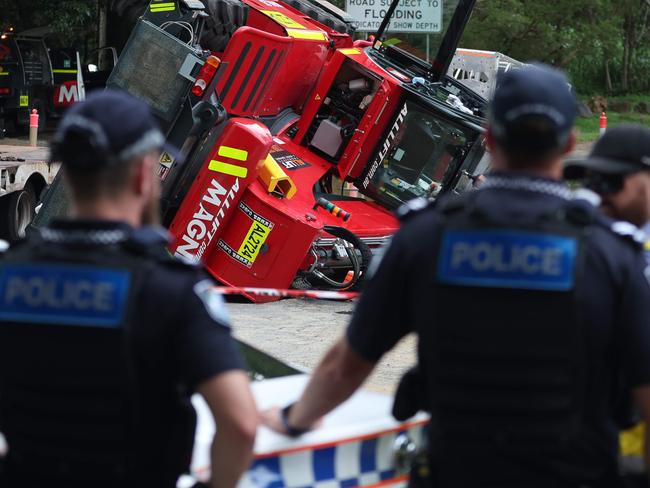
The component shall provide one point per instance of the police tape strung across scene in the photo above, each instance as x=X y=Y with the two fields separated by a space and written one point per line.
x=277 y=292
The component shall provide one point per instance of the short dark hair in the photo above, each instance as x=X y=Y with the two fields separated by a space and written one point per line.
x=88 y=184
x=521 y=154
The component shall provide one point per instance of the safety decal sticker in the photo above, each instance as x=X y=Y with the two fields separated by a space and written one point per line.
x=302 y=33
x=255 y=238
x=287 y=160
x=166 y=159
x=233 y=254
x=283 y=20
x=24 y=101
x=166 y=162
x=228 y=168
x=508 y=259
x=255 y=216
x=161 y=6
x=63 y=295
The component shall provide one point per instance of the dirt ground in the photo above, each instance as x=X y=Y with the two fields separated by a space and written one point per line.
x=299 y=331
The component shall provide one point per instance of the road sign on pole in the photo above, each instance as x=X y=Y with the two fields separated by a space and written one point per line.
x=424 y=16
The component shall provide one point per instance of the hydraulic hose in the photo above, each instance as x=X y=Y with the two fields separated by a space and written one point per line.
x=358 y=267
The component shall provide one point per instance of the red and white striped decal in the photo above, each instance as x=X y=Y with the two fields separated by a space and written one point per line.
x=276 y=292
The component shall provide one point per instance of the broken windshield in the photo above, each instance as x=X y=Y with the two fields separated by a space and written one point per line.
x=422 y=152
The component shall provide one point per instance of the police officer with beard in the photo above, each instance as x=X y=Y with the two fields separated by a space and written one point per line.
x=528 y=307
x=104 y=336
x=618 y=170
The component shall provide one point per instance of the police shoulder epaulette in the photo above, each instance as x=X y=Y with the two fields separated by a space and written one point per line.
x=629 y=232
x=149 y=241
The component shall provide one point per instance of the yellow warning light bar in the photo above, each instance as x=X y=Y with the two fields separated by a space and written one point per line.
x=275 y=179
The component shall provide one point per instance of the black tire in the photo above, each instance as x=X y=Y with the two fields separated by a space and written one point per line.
x=226 y=16
x=321 y=15
x=18 y=210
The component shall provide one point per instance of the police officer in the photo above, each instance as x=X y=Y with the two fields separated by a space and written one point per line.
x=553 y=311
x=104 y=337
x=618 y=170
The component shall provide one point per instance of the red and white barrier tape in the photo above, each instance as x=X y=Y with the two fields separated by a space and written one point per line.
x=276 y=292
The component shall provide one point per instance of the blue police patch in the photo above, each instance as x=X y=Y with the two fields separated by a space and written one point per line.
x=63 y=295
x=507 y=259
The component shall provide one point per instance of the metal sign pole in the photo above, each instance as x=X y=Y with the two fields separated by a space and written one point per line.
x=428 y=47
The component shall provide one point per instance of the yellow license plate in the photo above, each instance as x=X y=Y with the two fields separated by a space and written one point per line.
x=253 y=241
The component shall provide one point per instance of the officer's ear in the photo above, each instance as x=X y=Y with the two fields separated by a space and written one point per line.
x=143 y=175
x=570 y=144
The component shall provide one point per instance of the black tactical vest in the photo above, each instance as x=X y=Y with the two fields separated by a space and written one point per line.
x=69 y=399
x=505 y=360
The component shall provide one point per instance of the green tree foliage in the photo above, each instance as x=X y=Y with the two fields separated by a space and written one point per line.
x=70 y=22
x=604 y=45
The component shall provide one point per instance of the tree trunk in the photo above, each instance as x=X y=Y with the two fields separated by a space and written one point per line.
x=627 y=48
x=102 y=41
x=608 y=79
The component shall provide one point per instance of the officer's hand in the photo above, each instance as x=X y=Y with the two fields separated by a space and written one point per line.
x=273 y=419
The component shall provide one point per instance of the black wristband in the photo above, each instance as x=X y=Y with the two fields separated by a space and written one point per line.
x=291 y=431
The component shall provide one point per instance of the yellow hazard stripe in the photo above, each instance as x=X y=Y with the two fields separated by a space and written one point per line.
x=163 y=7
x=228 y=169
x=306 y=34
x=66 y=71
x=232 y=153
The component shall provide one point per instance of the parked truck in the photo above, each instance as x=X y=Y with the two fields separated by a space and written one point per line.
x=24 y=175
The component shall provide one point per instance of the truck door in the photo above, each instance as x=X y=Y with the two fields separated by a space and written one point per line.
x=36 y=62
x=65 y=70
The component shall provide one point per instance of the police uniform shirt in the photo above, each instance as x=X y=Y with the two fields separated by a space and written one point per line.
x=400 y=299
x=178 y=326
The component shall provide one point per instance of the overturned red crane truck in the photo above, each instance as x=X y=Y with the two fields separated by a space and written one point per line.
x=298 y=141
